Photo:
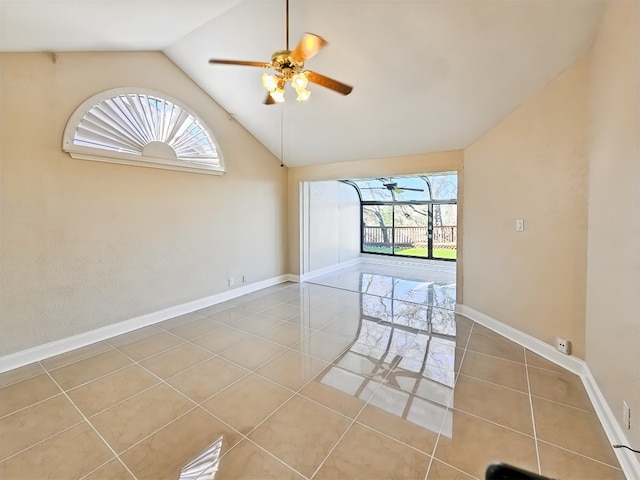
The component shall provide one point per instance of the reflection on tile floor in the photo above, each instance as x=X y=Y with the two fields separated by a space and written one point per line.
x=366 y=373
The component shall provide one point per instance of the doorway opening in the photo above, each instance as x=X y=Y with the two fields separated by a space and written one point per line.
x=409 y=216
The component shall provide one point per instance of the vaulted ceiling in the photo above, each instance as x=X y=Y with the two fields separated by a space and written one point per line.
x=427 y=75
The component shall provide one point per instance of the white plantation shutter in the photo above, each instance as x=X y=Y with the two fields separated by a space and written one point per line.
x=140 y=127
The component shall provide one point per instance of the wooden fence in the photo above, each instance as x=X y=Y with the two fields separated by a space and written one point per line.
x=443 y=236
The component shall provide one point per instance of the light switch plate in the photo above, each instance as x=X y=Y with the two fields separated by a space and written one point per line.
x=519 y=225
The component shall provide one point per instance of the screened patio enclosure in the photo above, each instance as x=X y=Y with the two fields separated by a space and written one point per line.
x=410 y=216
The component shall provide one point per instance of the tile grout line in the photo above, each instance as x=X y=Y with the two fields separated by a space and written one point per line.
x=31 y=405
x=353 y=421
x=581 y=455
x=41 y=441
x=123 y=400
x=194 y=407
x=92 y=427
x=294 y=393
x=496 y=357
x=198 y=405
x=300 y=394
x=494 y=423
x=450 y=406
x=246 y=436
x=58 y=367
x=76 y=387
x=214 y=355
x=273 y=456
x=514 y=390
x=161 y=381
x=249 y=372
x=22 y=379
x=572 y=407
x=485 y=354
x=533 y=418
x=100 y=466
x=99 y=377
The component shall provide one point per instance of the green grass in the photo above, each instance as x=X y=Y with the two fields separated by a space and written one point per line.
x=446 y=253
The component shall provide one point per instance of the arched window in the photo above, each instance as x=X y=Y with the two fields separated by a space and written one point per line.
x=140 y=127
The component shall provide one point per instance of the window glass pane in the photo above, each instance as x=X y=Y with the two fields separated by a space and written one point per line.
x=414 y=216
x=393 y=189
x=445 y=231
x=411 y=230
x=404 y=189
x=373 y=190
x=377 y=228
x=444 y=186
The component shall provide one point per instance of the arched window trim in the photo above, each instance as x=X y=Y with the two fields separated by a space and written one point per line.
x=207 y=165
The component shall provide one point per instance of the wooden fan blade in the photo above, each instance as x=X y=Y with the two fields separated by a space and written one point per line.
x=308 y=47
x=329 y=83
x=239 y=62
x=269 y=100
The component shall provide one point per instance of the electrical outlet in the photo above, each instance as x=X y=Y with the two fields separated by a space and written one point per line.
x=563 y=345
x=230 y=282
x=626 y=415
x=244 y=279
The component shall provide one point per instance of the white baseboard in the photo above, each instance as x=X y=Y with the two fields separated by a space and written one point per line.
x=40 y=352
x=330 y=269
x=571 y=363
x=628 y=460
x=430 y=263
x=377 y=260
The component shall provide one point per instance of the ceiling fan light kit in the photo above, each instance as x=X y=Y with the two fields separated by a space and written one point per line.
x=289 y=71
x=289 y=68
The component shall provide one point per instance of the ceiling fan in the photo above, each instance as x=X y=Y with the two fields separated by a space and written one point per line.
x=393 y=187
x=289 y=67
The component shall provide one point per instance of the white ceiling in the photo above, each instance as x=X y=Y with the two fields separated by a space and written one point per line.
x=428 y=75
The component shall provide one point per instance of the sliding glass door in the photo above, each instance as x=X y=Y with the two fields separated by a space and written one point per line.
x=409 y=216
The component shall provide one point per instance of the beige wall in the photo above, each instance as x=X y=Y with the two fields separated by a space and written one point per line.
x=434 y=162
x=613 y=286
x=87 y=244
x=533 y=166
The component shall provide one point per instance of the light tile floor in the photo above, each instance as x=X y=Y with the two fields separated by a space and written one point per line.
x=363 y=374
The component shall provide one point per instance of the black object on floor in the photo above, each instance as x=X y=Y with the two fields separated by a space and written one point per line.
x=502 y=471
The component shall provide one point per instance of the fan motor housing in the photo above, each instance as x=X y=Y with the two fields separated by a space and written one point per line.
x=282 y=62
